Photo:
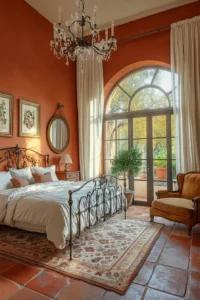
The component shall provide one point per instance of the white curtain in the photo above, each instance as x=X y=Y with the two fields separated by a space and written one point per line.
x=185 y=63
x=90 y=96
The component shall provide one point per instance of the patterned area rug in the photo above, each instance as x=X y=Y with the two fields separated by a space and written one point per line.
x=109 y=255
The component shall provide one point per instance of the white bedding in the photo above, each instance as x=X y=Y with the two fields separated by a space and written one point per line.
x=44 y=206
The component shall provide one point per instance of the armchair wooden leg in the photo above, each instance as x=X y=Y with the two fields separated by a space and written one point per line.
x=151 y=218
x=190 y=230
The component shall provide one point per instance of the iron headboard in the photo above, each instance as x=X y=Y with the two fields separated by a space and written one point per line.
x=16 y=157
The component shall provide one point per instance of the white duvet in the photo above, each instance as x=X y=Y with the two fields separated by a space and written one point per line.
x=44 y=205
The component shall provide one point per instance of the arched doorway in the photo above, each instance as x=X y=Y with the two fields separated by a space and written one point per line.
x=139 y=113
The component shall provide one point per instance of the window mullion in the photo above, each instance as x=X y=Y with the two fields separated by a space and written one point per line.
x=154 y=76
x=124 y=91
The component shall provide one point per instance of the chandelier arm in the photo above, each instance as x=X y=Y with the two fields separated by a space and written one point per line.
x=104 y=50
x=69 y=28
x=87 y=17
x=98 y=52
x=90 y=24
x=76 y=21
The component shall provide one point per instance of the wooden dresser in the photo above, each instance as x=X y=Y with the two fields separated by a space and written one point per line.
x=69 y=175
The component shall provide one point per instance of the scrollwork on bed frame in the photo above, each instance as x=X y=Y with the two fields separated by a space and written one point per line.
x=103 y=201
x=16 y=157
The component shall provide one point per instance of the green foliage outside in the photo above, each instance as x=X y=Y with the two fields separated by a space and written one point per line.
x=161 y=161
x=127 y=161
x=161 y=155
x=148 y=98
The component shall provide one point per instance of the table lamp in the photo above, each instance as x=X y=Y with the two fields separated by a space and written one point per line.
x=66 y=159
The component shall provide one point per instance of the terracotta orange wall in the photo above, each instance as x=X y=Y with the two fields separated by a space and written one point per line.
x=29 y=70
x=155 y=47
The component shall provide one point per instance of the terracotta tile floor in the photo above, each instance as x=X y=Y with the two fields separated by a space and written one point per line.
x=170 y=272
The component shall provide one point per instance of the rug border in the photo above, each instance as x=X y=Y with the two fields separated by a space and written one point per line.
x=108 y=288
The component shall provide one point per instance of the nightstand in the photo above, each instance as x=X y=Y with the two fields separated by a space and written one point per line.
x=68 y=175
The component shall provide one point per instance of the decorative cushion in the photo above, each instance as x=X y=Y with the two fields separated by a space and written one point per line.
x=19 y=182
x=191 y=186
x=22 y=173
x=5 y=182
x=40 y=178
x=177 y=206
x=41 y=170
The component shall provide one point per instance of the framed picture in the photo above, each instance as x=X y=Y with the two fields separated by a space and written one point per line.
x=29 y=118
x=6 y=115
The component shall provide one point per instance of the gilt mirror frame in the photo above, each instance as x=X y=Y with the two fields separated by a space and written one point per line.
x=62 y=118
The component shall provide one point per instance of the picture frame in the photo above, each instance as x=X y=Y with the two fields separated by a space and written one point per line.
x=6 y=115
x=29 y=118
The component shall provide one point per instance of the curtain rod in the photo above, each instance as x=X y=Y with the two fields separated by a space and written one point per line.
x=142 y=35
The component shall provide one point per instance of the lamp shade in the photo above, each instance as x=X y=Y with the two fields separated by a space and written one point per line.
x=66 y=159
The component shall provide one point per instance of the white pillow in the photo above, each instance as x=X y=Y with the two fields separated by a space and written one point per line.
x=5 y=182
x=41 y=170
x=23 y=173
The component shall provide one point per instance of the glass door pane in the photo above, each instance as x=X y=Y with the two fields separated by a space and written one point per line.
x=116 y=140
x=122 y=142
x=109 y=144
x=140 y=142
x=159 y=135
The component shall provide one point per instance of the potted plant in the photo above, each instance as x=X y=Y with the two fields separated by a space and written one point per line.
x=127 y=162
x=161 y=164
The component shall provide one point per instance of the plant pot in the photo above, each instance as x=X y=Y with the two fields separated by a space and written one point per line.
x=161 y=173
x=129 y=197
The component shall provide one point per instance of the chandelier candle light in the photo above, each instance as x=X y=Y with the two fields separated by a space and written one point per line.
x=82 y=37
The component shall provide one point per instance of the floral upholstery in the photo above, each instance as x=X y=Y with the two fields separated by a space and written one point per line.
x=179 y=206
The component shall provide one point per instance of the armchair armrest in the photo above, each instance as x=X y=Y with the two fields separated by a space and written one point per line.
x=168 y=194
x=196 y=202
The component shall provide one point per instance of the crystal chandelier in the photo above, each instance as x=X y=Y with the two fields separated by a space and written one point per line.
x=82 y=37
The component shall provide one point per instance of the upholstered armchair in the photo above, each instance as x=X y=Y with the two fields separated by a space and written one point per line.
x=182 y=206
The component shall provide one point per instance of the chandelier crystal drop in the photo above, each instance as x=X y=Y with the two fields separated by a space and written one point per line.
x=82 y=37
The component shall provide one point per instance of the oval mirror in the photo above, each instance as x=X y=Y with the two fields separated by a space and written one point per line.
x=58 y=134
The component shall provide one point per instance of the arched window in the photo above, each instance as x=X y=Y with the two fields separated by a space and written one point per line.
x=139 y=113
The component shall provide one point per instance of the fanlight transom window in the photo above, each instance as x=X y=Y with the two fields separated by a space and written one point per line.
x=144 y=89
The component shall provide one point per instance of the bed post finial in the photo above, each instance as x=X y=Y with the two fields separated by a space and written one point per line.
x=70 y=221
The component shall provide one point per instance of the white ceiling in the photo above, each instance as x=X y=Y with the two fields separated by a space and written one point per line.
x=121 y=11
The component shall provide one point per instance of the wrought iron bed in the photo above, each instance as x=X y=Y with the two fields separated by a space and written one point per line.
x=103 y=200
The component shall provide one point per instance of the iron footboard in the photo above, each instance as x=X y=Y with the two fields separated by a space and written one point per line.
x=103 y=200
